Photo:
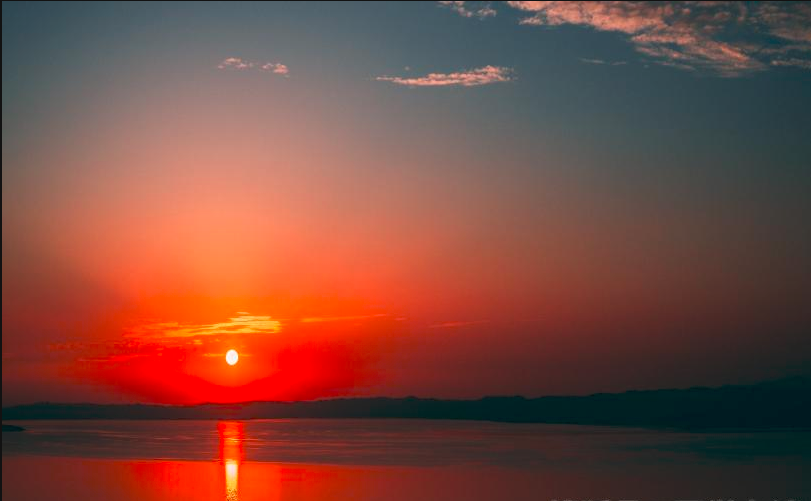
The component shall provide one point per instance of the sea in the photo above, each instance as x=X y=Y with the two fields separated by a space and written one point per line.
x=397 y=459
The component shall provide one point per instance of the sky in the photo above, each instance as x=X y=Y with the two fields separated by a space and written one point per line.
x=439 y=199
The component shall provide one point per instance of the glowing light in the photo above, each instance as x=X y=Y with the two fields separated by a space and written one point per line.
x=231 y=435
x=231 y=480
x=232 y=357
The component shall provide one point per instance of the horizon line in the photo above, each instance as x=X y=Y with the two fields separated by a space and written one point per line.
x=805 y=378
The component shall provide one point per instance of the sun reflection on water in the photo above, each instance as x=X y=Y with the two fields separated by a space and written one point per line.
x=231 y=480
x=231 y=435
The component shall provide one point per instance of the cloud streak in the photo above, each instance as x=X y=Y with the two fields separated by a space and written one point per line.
x=310 y=320
x=480 y=10
x=455 y=324
x=466 y=78
x=242 y=324
x=600 y=61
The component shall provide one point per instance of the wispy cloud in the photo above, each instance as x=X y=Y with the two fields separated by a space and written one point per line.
x=467 y=78
x=471 y=9
x=787 y=20
x=242 y=324
x=455 y=324
x=308 y=320
x=727 y=38
x=793 y=61
x=239 y=64
x=600 y=61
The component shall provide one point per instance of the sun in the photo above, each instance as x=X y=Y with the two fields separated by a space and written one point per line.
x=232 y=357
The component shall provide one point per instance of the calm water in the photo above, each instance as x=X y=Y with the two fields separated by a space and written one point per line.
x=396 y=460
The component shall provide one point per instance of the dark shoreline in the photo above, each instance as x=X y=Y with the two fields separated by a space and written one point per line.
x=783 y=404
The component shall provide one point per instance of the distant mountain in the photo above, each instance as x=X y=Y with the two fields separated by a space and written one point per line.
x=783 y=403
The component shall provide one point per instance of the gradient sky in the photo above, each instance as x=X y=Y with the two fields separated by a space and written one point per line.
x=448 y=199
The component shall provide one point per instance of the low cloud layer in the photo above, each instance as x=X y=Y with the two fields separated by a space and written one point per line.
x=466 y=78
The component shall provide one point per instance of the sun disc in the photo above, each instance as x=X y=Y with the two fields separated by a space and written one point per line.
x=232 y=357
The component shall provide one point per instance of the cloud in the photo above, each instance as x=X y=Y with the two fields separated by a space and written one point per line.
x=787 y=20
x=308 y=320
x=600 y=61
x=727 y=38
x=793 y=61
x=242 y=324
x=278 y=68
x=471 y=9
x=235 y=63
x=238 y=64
x=221 y=354
x=454 y=324
x=467 y=78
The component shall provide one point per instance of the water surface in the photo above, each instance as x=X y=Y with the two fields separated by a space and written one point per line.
x=396 y=459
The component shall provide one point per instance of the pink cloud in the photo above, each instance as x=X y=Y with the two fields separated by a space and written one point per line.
x=234 y=63
x=729 y=38
x=278 y=68
x=468 y=78
x=787 y=20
